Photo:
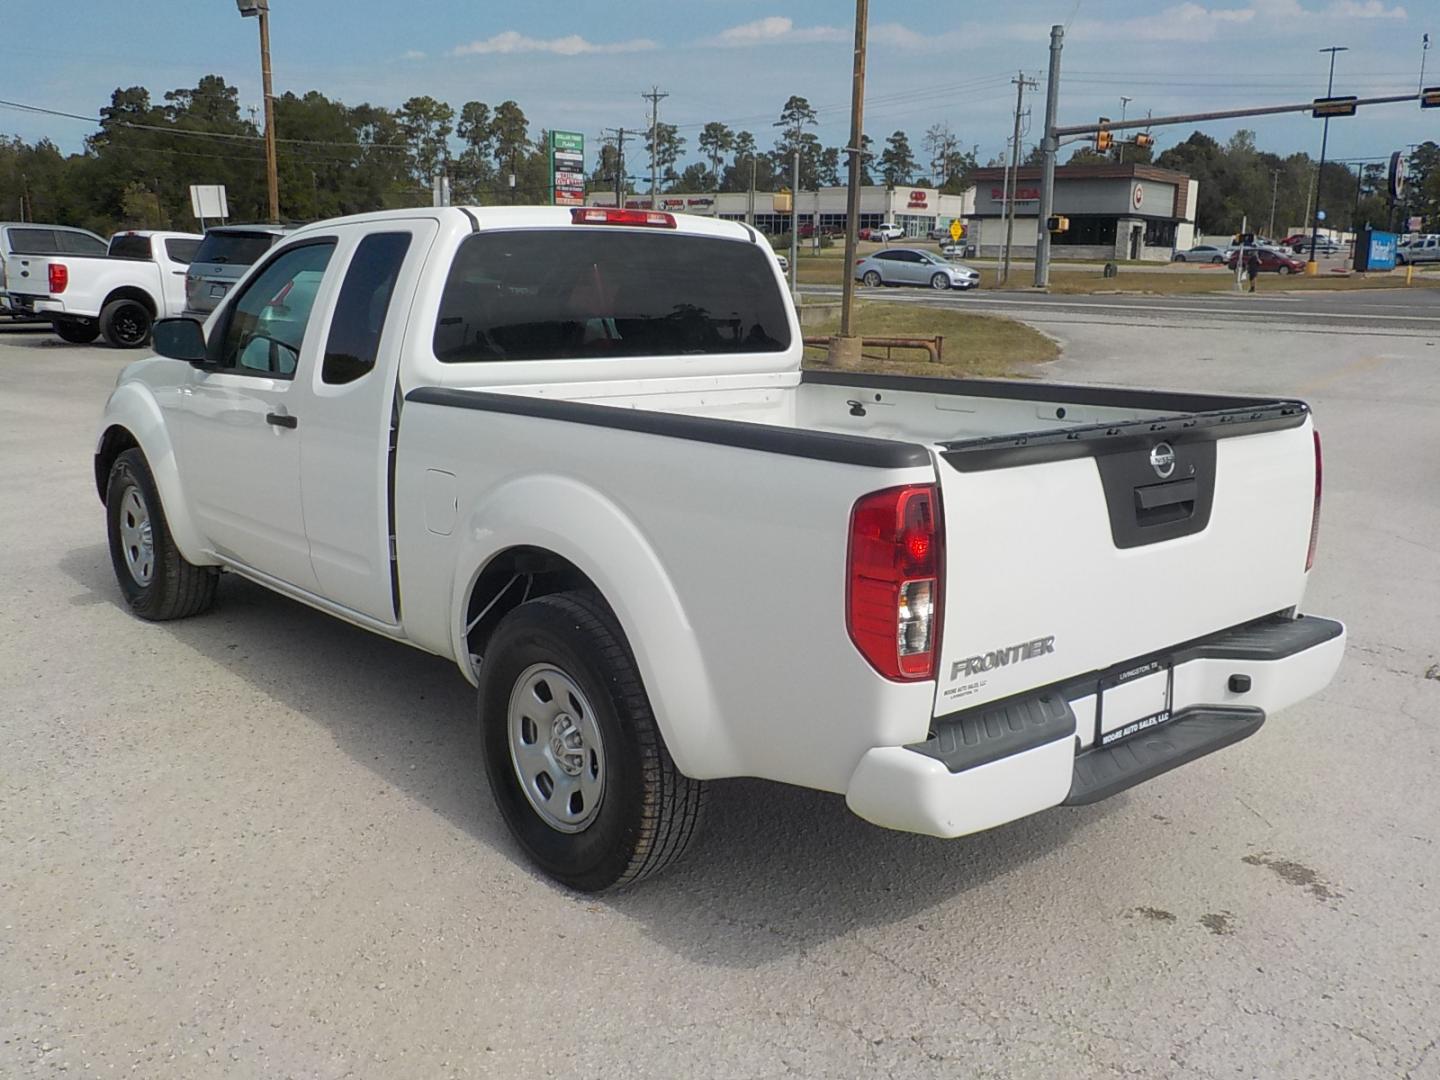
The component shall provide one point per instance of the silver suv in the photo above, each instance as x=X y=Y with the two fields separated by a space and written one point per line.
x=225 y=254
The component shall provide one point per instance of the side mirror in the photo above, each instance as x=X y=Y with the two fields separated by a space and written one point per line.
x=181 y=339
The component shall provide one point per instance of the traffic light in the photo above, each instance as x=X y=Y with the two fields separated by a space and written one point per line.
x=1333 y=106
x=1104 y=139
x=783 y=202
x=1430 y=97
x=1057 y=223
x=1143 y=139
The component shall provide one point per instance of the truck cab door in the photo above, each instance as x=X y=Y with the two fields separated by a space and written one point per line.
x=236 y=430
x=352 y=414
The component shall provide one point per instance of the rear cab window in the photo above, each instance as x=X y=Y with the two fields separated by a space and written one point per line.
x=582 y=292
x=33 y=242
x=128 y=246
x=234 y=248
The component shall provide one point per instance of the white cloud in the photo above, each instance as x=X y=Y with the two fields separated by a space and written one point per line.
x=1365 y=9
x=412 y=54
x=1196 y=22
x=902 y=37
x=511 y=41
x=778 y=30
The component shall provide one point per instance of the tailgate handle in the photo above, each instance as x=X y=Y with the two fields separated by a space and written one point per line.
x=1158 y=495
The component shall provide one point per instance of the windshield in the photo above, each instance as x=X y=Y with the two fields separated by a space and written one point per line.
x=594 y=291
x=233 y=248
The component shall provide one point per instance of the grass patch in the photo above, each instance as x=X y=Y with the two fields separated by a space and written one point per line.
x=975 y=345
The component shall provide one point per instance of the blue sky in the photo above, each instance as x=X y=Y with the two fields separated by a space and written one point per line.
x=583 y=65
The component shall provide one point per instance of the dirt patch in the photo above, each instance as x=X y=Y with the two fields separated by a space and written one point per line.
x=1221 y=923
x=1154 y=914
x=1297 y=874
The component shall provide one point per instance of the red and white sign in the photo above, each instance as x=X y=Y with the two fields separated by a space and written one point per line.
x=1022 y=194
x=917 y=201
x=1139 y=196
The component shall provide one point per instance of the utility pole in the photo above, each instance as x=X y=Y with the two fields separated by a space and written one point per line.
x=750 y=205
x=620 y=134
x=855 y=149
x=1274 y=194
x=1020 y=84
x=1050 y=146
x=795 y=225
x=654 y=97
x=261 y=8
x=1120 y=143
x=1311 y=266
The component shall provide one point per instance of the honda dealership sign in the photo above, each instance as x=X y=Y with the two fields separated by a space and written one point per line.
x=567 y=168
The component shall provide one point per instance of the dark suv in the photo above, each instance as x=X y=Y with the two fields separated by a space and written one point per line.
x=225 y=254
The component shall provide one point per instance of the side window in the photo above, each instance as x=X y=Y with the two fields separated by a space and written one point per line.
x=34 y=242
x=181 y=251
x=79 y=243
x=362 y=306
x=265 y=327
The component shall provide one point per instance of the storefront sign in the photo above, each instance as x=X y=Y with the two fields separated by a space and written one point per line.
x=567 y=168
x=917 y=201
x=1139 y=196
x=1022 y=194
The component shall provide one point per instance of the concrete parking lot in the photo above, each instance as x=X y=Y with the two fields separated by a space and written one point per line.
x=259 y=843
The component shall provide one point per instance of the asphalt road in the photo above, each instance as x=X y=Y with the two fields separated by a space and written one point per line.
x=1408 y=312
x=259 y=843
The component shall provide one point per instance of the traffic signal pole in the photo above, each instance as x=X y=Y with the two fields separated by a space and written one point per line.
x=1049 y=145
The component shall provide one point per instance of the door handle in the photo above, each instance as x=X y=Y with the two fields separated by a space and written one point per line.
x=282 y=420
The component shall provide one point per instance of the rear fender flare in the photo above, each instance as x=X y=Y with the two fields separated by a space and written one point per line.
x=579 y=524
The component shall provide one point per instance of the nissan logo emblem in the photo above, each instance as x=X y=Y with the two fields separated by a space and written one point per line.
x=1162 y=460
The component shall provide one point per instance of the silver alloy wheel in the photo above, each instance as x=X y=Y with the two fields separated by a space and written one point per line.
x=137 y=536
x=555 y=748
x=940 y=281
x=872 y=279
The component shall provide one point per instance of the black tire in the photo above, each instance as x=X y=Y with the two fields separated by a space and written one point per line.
x=1179 y=258
x=1218 y=259
x=126 y=324
x=1286 y=270
x=872 y=279
x=648 y=811
x=173 y=587
x=940 y=281
x=77 y=333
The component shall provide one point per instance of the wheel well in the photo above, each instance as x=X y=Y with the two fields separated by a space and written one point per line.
x=113 y=443
x=508 y=580
x=131 y=293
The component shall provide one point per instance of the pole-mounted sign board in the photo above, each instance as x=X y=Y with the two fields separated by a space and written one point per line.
x=1333 y=106
x=567 y=168
x=208 y=201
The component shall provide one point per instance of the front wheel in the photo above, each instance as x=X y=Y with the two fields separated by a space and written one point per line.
x=125 y=324
x=77 y=333
x=872 y=279
x=156 y=580
x=1179 y=258
x=1285 y=270
x=940 y=281
x=574 y=755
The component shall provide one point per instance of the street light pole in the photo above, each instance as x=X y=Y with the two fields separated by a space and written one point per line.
x=261 y=10
x=1312 y=267
x=855 y=150
x=1120 y=143
x=1051 y=145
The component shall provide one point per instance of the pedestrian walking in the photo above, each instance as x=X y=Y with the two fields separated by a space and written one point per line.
x=1252 y=267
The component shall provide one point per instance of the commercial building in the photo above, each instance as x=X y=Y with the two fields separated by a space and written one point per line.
x=917 y=210
x=1115 y=211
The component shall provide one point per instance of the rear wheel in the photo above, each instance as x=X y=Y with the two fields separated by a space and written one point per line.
x=572 y=749
x=872 y=279
x=156 y=580
x=1179 y=258
x=125 y=324
x=940 y=281
x=75 y=332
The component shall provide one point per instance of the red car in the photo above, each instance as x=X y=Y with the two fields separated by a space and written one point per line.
x=1270 y=261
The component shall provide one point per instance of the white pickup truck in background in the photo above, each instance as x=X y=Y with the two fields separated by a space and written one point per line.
x=141 y=278
x=575 y=452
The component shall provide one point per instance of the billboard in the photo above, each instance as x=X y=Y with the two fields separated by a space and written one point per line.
x=567 y=168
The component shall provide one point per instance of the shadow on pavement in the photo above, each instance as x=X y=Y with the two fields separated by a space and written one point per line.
x=776 y=869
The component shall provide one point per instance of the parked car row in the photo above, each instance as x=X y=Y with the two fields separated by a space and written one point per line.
x=1418 y=249
x=88 y=288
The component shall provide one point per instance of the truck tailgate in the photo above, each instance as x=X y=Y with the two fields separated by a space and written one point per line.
x=1068 y=553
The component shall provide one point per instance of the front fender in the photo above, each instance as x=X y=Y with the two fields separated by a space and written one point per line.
x=578 y=523
x=133 y=408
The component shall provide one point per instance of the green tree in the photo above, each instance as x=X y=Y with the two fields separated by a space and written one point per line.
x=897 y=161
x=715 y=141
x=510 y=135
x=665 y=148
x=426 y=124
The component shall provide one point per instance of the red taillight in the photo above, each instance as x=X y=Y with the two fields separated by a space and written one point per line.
x=601 y=215
x=892 y=604
x=1315 y=513
x=59 y=277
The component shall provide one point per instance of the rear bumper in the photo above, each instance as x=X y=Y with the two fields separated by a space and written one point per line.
x=1006 y=760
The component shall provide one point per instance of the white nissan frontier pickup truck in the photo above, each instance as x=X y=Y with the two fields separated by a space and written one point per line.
x=574 y=451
